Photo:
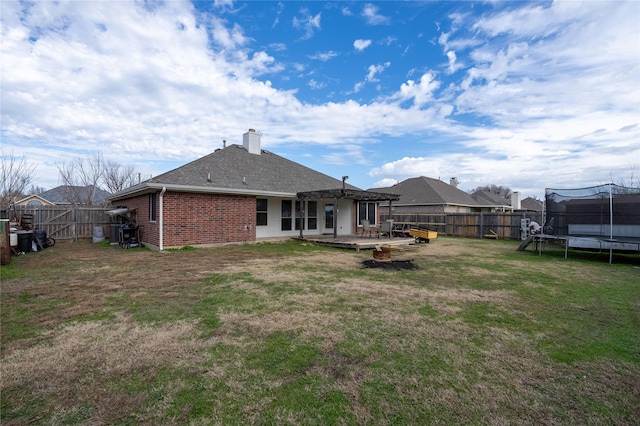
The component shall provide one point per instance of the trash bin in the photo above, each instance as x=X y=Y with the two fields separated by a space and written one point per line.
x=114 y=233
x=98 y=234
x=24 y=241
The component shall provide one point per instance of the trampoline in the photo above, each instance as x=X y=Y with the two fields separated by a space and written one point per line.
x=603 y=217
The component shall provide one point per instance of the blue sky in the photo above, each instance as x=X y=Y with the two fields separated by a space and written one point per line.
x=523 y=94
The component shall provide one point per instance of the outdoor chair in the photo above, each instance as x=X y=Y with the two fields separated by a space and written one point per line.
x=368 y=228
x=385 y=229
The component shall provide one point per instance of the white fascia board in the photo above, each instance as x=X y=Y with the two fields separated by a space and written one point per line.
x=433 y=204
x=206 y=190
x=494 y=206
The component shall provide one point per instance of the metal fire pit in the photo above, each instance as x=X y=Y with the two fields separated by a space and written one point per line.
x=382 y=255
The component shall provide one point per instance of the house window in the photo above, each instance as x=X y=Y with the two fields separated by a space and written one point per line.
x=367 y=211
x=34 y=203
x=286 y=215
x=261 y=212
x=299 y=222
x=312 y=214
x=152 y=207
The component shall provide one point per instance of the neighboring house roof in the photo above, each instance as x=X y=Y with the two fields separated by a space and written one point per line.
x=59 y=194
x=234 y=170
x=349 y=194
x=428 y=191
x=488 y=198
x=532 y=204
x=33 y=200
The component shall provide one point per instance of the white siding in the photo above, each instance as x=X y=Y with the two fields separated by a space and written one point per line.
x=274 y=219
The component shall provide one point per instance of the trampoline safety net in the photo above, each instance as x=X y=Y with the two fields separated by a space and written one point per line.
x=604 y=211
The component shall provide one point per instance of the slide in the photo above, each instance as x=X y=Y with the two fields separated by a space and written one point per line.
x=525 y=243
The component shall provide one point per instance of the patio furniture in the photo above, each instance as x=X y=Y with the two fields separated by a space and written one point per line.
x=385 y=229
x=368 y=228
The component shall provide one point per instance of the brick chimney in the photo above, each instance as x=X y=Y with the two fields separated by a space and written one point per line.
x=251 y=141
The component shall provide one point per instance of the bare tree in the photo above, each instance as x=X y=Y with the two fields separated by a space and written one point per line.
x=35 y=190
x=80 y=178
x=503 y=191
x=631 y=181
x=15 y=176
x=118 y=177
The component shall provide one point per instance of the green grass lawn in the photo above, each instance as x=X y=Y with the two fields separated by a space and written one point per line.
x=292 y=333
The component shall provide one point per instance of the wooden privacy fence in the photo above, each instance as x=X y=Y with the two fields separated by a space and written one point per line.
x=66 y=222
x=472 y=225
x=73 y=223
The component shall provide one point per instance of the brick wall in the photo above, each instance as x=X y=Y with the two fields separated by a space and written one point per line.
x=148 y=229
x=196 y=219
x=193 y=219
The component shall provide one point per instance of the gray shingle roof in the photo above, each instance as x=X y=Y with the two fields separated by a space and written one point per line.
x=428 y=191
x=58 y=195
x=531 y=204
x=234 y=168
x=490 y=198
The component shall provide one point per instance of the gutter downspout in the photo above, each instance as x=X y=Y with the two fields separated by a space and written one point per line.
x=335 y=218
x=160 y=230
x=301 y=210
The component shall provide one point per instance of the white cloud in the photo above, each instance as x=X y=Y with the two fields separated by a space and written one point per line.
x=324 y=56
x=278 y=47
x=388 y=41
x=546 y=108
x=346 y=154
x=118 y=89
x=558 y=101
x=371 y=76
x=360 y=44
x=358 y=86
x=421 y=92
x=316 y=85
x=225 y=37
x=370 y=13
x=222 y=3
x=384 y=183
x=308 y=23
x=376 y=69
x=453 y=65
x=554 y=77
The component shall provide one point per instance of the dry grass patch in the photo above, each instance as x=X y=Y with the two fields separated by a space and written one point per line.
x=270 y=334
x=119 y=347
x=81 y=364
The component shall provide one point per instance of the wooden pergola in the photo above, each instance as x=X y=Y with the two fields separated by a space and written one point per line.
x=343 y=194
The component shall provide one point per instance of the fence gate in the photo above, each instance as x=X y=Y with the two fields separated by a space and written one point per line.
x=57 y=223
x=67 y=222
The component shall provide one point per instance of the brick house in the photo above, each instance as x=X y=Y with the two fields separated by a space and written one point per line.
x=425 y=195
x=66 y=195
x=429 y=196
x=241 y=193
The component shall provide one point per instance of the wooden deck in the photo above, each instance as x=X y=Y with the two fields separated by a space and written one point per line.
x=358 y=242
